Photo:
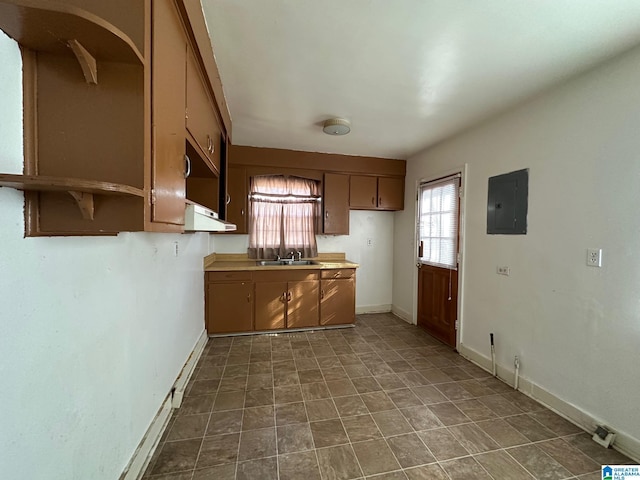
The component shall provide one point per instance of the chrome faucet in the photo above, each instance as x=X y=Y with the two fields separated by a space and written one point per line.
x=299 y=255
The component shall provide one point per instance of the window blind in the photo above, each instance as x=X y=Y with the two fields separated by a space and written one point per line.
x=438 y=222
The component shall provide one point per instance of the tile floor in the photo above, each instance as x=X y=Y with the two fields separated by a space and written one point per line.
x=380 y=401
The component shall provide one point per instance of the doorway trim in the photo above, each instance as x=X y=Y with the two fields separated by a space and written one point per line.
x=462 y=170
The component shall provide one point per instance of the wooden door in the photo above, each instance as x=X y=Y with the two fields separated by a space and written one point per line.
x=229 y=307
x=336 y=204
x=337 y=301
x=302 y=305
x=270 y=305
x=391 y=193
x=438 y=302
x=237 y=188
x=168 y=97
x=363 y=191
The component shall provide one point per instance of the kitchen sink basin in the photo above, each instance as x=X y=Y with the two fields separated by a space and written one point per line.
x=284 y=263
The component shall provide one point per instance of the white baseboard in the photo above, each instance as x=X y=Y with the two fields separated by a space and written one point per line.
x=373 y=308
x=151 y=439
x=403 y=314
x=624 y=443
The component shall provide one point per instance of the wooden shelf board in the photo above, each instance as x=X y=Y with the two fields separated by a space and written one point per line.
x=42 y=183
x=48 y=26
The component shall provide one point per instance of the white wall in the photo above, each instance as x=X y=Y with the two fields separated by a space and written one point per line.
x=373 y=278
x=93 y=331
x=575 y=328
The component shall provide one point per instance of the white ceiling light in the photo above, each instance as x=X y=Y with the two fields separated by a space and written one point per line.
x=336 y=126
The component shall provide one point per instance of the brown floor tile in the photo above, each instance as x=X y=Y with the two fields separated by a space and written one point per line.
x=349 y=406
x=294 y=438
x=390 y=382
x=361 y=428
x=290 y=413
x=476 y=388
x=366 y=384
x=235 y=371
x=465 y=469
x=258 y=382
x=377 y=401
x=328 y=433
x=315 y=391
x=502 y=466
x=228 y=421
x=448 y=414
x=321 y=410
x=218 y=450
x=569 y=456
x=442 y=444
x=203 y=387
x=283 y=378
x=523 y=402
x=295 y=466
x=454 y=391
x=503 y=433
x=392 y=422
x=196 y=405
x=310 y=376
x=475 y=410
x=456 y=373
x=410 y=451
x=530 y=428
x=232 y=384
x=341 y=388
x=258 y=417
x=228 y=401
x=333 y=373
x=338 y=463
x=221 y=472
x=429 y=394
x=586 y=445
x=427 y=472
x=413 y=378
x=257 y=444
x=307 y=364
x=473 y=438
x=555 y=423
x=177 y=456
x=421 y=417
x=263 y=468
x=538 y=462
x=186 y=427
x=435 y=375
x=404 y=397
x=257 y=398
x=375 y=456
x=287 y=394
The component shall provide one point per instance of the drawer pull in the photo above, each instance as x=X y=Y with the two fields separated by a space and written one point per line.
x=321 y=294
x=288 y=296
x=373 y=200
x=380 y=201
x=248 y=297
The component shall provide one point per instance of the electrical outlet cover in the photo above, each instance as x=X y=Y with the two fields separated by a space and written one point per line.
x=594 y=257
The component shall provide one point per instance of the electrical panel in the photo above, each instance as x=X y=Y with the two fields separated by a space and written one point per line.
x=508 y=202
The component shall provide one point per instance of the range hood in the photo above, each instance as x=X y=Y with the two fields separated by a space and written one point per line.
x=201 y=219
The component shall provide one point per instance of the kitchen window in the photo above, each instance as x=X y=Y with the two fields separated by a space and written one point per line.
x=283 y=214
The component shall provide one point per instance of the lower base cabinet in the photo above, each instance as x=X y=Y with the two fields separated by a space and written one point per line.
x=337 y=297
x=246 y=301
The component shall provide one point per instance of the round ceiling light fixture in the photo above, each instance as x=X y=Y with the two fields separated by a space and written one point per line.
x=336 y=126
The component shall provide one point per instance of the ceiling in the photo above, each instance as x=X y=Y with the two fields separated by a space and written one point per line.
x=405 y=73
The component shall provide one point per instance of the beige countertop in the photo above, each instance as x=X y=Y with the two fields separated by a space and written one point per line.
x=225 y=262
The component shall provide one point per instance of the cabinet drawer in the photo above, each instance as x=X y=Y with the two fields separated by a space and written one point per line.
x=226 y=276
x=285 y=275
x=341 y=273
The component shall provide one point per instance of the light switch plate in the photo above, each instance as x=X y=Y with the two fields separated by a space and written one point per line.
x=594 y=257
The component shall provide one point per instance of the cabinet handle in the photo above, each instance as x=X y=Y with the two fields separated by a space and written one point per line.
x=242 y=212
x=187 y=166
x=228 y=199
x=288 y=296
x=249 y=297
x=321 y=294
x=379 y=201
x=326 y=215
x=283 y=297
x=373 y=200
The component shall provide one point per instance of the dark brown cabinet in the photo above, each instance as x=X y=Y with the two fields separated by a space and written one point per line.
x=168 y=123
x=337 y=297
x=237 y=206
x=286 y=299
x=376 y=193
x=229 y=302
x=336 y=204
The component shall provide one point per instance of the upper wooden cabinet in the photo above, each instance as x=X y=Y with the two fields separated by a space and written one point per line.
x=169 y=62
x=336 y=204
x=376 y=193
x=105 y=101
x=237 y=200
x=202 y=123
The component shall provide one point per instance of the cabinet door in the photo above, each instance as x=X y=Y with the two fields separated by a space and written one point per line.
x=270 y=305
x=363 y=192
x=336 y=204
x=337 y=301
x=168 y=86
x=237 y=189
x=302 y=305
x=229 y=307
x=390 y=193
x=202 y=122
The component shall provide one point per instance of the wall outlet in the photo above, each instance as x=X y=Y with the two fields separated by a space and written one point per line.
x=504 y=270
x=175 y=249
x=594 y=257
x=369 y=242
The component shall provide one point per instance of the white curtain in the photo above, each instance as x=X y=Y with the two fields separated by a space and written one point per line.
x=283 y=214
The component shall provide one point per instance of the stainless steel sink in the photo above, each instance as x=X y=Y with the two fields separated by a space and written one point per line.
x=284 y=263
